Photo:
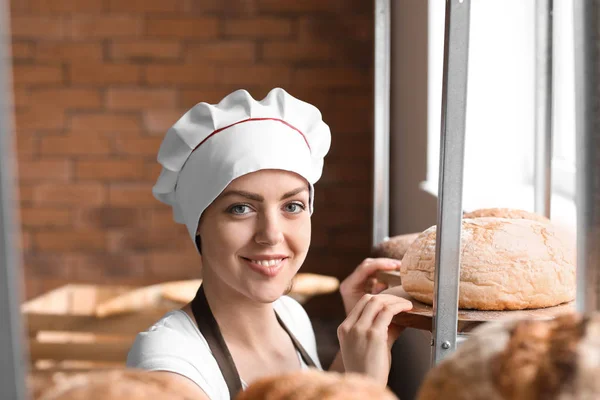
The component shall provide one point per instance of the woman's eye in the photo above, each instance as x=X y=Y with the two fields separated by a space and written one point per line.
x=239 y=209
x=294 y=207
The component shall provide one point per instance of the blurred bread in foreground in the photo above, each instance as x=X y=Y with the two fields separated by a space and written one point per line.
x=316 y=385
x=118 y=384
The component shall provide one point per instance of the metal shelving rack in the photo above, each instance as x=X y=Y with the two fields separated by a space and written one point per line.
x=445 y=304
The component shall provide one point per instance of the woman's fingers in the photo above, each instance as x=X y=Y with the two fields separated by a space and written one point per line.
x=356 y=312
x=384 y=317
x=367 y=268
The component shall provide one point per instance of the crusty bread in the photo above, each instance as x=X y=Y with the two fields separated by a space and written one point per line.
x=506 y=264
x=522 y=360
x=118 y=384
x=316 y=385
x=509 y=213
x=395 y=247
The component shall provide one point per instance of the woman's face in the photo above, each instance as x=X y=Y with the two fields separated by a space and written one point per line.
x=256 y=234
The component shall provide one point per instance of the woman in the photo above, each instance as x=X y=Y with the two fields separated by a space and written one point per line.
x=240 y=176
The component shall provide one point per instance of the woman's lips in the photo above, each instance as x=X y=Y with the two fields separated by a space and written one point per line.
x=267 y=268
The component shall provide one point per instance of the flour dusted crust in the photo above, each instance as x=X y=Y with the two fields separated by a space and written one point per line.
x=522 y=360
x=506 y=264
x=510 y=213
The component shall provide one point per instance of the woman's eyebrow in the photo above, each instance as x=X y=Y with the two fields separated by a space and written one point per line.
x=294 y=192
x=258 y=197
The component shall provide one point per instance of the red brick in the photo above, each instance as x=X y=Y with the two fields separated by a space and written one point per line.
x=184 y=28
x=263 y=27
x=25 y=194
x=113 y=170
x=105 y=26
x=138 y=98
x=36 y=74
x=147 y=240
x=27 y=144
x=226 y=8
x=66 y=6
x=146 y=6
x=293 y=51
x=221 y=52
x=68 y=51
x=21 y=50
x=35 y=217
x=105 y=122
x=353 y=31
x=75 y=144
x=88 y=194
x=142 y=50
x=109 y=217
x=161 y=120
x=181 y=74
x=152 y=170
x=190 y=97
x=256 y=75
x=65 y=240
x=139 y=147
x=351 y=148
x=46 y=118
x=38 y=27
x=159 y=218
x=100 y=267
x=104 y=74
x=18 y=7
x=301 y=7
x=44 y=170
x=67 y=97
x=175 y=265
x=25 y=241
x=135 y=195
x=48 y=266
x=333 y=77
x=20 y=97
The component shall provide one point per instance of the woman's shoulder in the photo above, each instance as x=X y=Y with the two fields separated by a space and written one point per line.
x=175 y=333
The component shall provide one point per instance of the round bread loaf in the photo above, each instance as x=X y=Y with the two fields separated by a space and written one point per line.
x=395 y=247
x=506 y=264
x=119 y=384
x=316 y=385
x=522 y=360
x=510 y=213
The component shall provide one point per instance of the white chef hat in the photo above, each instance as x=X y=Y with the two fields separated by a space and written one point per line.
x=211 y=145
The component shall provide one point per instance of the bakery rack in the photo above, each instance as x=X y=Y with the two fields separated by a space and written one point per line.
x=444 y=319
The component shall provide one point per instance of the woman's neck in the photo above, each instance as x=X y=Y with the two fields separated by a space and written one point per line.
x=242 y=321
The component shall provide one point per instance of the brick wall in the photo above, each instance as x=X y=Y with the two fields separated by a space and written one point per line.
x=98 y=82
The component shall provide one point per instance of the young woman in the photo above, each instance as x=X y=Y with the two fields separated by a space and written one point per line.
x=240 y=176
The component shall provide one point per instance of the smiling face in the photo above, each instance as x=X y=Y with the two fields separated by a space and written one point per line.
x=256 y=234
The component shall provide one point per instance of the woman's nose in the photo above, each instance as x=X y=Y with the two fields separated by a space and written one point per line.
x=269 y=230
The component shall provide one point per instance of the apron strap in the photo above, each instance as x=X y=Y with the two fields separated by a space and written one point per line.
x=307 y=359
x=210 y=330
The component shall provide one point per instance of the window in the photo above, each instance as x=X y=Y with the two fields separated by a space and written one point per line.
x=499 y=158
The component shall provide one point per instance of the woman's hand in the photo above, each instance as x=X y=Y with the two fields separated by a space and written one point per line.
x=363 y=280
x=366 y=336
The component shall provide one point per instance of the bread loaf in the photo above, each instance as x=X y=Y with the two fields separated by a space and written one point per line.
x=509 y=213
x=395 y=247
x=522 y=360
x=316 y=385
x=121 y=384
x=506 y=264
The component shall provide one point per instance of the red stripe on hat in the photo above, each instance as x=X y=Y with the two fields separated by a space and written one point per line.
x=255 y=119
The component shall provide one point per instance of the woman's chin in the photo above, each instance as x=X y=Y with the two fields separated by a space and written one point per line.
x=268 y=295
